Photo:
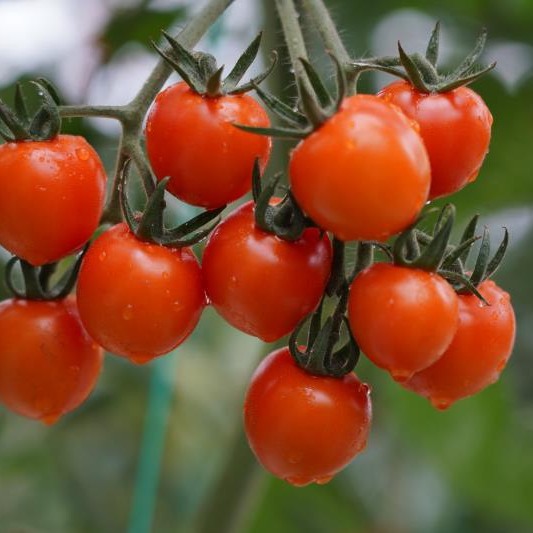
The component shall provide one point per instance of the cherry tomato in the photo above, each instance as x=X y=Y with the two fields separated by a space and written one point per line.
x=364 y=174
x=51 y=197
x=191 y=138
x=305 y=428
x=48 y=362
x=478 y=352
x=259 y=283
x=137 y=299
x=455 y=127
x=403 y=318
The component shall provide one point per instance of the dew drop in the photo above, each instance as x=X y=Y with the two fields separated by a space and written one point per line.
x=82 y=154
x=165 y=275
x=294 y=458
x=102 y=256
x=127 y=313
x=400 y=375
x=440 y=403
x=50 y=419
x=297 y=481
x=323 y=480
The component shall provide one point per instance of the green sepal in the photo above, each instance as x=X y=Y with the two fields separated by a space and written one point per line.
x=432 y=50
x=461 y=283
x=468 y=233
x=497 y=259
x=319 y=356
x=200 y=71
x=284 y=219
x=149 y=226
x=19 y=125
x=324 y=98
x=280 y=133
x=285 y=112
x=36 y=279
x=480 y=268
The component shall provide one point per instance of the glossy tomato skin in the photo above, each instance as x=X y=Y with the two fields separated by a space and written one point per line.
x=477 y=354
x=137 y=299
x=191 y=138
x=51 y=197
x=403 y=318
x=259 y=283
x=304 y=428
x=455 y=127
x=48 y=362
x=364 y=174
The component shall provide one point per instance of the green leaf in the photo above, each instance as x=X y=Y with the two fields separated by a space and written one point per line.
x=243 y=64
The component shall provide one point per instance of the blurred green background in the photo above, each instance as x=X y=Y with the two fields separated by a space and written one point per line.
x=466 y=470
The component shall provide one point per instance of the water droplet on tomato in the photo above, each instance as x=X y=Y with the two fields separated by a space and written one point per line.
x=165 y=275
x=127 y=312
x=102 y=256
x=323 y=480
x=50 y=419
x=440 y=403
x=294 y=458
x=501 y=365
x=297 y=481
x=400 y=375
x=82 y=154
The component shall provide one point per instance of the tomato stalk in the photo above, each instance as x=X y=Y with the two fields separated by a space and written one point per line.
x=131 y=115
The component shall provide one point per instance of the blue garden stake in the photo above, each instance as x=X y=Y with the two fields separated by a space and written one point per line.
x=152 y=445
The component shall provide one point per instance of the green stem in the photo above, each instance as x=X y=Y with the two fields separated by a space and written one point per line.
x=149 y=465
x=68 y=111
x=319 y=14
x=295 y=43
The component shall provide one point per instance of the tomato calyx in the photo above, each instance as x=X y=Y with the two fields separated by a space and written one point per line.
x=202 y=74
x=37 y=280
x=421 y=70
x=149 y=226
x=317 y=104
x=415 y=248
x=21 y=123
x=284 y=219
x=319 y=356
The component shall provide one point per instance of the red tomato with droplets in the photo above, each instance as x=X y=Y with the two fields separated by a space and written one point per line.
x=455 y=127
x=48 y=362
x=137 y=299
x=191 y=138
x=259 y=283
x=364 y=174
x=51 y=197
x=304 y=428
x=403 y=318
x=478 y=352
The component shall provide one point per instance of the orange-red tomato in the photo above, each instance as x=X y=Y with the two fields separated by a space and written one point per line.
x=403 y=318
x=478 y=352
x=137 y=299
x=260 y=283
x=364 y=174
x=48 y=362
x=304 y=428
x=455 y=127
x=51 y=197
x=191 y=138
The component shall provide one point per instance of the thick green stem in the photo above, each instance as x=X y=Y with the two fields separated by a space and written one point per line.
x=104 y=111
x=319 y=14
x=294 y=38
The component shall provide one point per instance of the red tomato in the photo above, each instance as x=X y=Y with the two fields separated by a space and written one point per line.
x=304 y=428
x=191 y=138
x=364 y=174
x=403 y=318
x=478 y=353
x=455 y=127
x=48 y=362
x=137 y=299
x=260 y=283
x=51 y=197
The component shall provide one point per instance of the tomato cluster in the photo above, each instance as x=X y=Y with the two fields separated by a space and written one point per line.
x=363 y=171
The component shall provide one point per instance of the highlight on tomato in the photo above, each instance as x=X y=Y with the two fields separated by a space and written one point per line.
x=138 y=299
x=305 y=428
x=403 y=318
x=259 y=283
x=478 y=352
x=48 y=362
x=364 y=173
x=51 y=197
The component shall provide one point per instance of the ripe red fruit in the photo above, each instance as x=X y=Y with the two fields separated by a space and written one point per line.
x=455 y=127
x=403 y=318
x=478 y=352
x=48 y=362
x=304 y=428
